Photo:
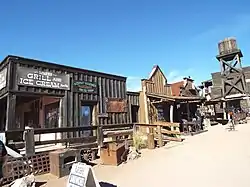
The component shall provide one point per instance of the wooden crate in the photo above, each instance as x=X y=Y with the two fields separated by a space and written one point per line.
x=111 y=154
x=62 y=160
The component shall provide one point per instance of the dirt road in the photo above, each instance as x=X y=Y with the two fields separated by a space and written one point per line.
x=217 y=158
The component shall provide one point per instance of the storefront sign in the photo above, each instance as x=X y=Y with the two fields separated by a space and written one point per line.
x=42 y=79
x=82 y=175
x=115 y=105
x=85 y=87
x=3 y=77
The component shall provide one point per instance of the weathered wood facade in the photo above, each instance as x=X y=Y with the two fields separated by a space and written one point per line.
x=161 y=103
x=152 y=89
x=133 y=106
x=230 y=86
x=72 y=87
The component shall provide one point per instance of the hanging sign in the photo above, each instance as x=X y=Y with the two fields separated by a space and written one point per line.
x=42 y=79
x=3 y=77
x=85 y=87
x=82 y=175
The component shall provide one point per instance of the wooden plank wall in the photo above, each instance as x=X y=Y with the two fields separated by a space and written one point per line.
x=216 y=79
x=133 y=98
x=110 y=86
x=157 y=88
x=157 y=84
x=4 y=65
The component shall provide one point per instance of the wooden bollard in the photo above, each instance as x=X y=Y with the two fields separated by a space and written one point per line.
x=160 y=140
x=100 y=138
x=151 y=141
x=29 y=141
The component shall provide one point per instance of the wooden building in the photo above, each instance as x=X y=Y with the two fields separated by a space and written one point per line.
x=231 y=86
x=46 y=95
x=161 y=101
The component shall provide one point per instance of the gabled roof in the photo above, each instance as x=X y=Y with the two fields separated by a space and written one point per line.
x=154 y=70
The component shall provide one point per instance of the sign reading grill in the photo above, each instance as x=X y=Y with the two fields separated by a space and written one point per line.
x=43 y=79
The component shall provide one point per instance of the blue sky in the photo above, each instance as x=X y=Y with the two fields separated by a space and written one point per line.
x=126 y=37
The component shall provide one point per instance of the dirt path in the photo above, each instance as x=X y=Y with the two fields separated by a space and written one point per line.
x=217 y=158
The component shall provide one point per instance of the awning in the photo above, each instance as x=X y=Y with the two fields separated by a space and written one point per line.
x=176 y=98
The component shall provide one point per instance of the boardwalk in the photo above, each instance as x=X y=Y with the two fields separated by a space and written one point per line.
x=217 y=158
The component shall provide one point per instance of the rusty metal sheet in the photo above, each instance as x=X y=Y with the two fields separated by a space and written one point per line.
x=116 y=105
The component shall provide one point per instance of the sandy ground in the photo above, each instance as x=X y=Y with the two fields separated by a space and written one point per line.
x=217 y=158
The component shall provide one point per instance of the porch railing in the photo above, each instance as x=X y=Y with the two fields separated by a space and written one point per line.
x=101 y=133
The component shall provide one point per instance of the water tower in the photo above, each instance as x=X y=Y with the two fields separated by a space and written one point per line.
x=232 y=75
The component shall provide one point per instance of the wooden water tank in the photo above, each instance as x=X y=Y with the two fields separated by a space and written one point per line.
x=227 y=46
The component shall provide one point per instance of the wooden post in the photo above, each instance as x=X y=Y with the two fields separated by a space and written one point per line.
x=65 y=114
x=188 y=111
x=11 y=112
x=160 y=139
x=60 y=121
x=171 y=113
x=151 y=141
x=224 y=110
x=29 y=138
x=100 y=135
x=145 y=103
x=94 y=119
x=129 y=111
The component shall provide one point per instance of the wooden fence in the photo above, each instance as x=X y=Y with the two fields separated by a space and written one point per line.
x=38 y=163
x=14 y=138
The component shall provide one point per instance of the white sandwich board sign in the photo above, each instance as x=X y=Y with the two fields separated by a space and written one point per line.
x=82 y=175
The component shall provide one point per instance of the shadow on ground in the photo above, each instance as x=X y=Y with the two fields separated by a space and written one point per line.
x=38 y=184
x=106 y=184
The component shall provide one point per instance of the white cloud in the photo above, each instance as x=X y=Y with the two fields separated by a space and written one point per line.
x=239 y=25
x=175 y=75
x=133 y=83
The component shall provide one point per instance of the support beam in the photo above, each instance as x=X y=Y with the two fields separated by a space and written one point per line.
x=188 y=112
x=224 y=110
x=11 y=112
x=160 y=138
x=65 y=113
x=29 y=138
x=60 y=121
x=171 y=113
x=234 y=85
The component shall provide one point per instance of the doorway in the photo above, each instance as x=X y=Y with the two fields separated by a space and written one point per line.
x=134 y=113
x=52 y=115
x=163 y=112
x=87 y=117
x=27 y=112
